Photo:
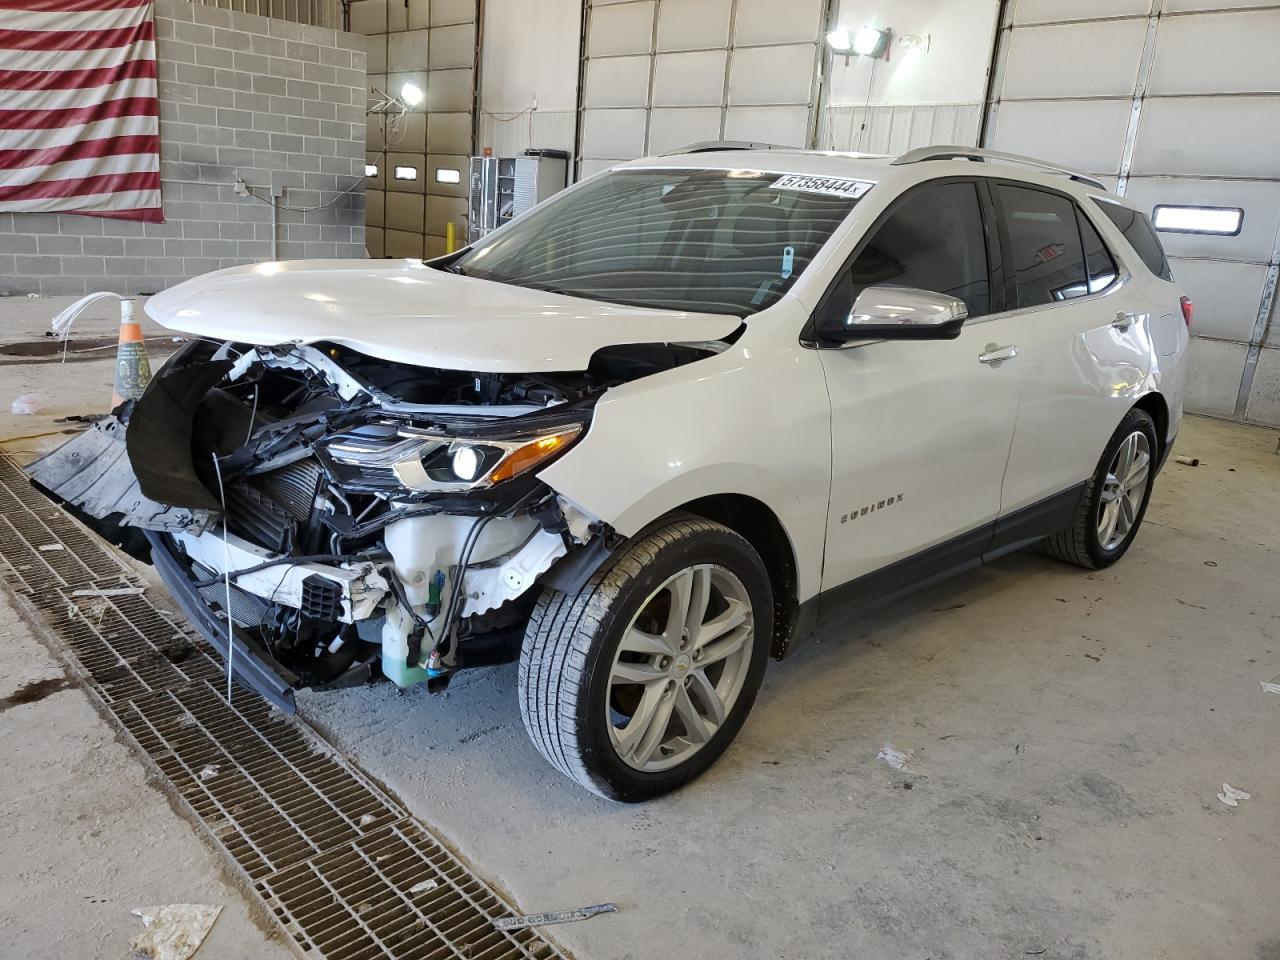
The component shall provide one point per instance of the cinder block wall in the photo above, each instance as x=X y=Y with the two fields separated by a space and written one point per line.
x=271 y=101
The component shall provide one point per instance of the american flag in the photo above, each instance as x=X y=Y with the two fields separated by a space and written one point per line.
x=79 y=117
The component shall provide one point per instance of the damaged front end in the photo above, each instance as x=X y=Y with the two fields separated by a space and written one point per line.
x=332 y=516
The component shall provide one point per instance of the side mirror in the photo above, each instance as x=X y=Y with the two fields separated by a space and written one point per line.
x=886 y=312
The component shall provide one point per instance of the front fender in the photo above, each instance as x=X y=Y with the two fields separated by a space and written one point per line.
x=754 y=419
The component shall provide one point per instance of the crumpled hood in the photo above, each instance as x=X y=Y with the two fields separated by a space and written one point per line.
x=406 y=312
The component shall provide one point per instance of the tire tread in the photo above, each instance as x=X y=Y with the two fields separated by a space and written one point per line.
x=558 y=641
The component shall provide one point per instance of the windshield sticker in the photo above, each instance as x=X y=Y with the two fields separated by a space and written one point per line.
x=788 y=261
x=831 y=186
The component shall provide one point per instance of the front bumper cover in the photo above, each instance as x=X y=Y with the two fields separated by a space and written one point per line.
x=254 y=668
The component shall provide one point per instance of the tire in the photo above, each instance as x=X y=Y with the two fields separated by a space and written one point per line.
x=1082 y=543
x=582 y=690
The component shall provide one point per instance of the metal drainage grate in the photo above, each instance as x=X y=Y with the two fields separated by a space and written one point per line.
x=343 y=866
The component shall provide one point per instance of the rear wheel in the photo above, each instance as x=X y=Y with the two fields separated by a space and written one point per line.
x=1115 y=499
x=637 y=683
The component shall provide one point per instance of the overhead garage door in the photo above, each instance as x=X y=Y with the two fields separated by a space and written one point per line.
x=1174 y=103
x=660 y=74
x=432 y=45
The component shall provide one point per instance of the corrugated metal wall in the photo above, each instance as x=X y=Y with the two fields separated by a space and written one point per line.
x=431 y=43
x=1175 y=102
x=659 y=74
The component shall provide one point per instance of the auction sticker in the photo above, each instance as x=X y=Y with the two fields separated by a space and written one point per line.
x=831 y=186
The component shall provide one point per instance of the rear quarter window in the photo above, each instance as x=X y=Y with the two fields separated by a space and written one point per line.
x=1141 y=235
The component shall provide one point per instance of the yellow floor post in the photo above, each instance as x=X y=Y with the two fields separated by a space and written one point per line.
x=450 y=237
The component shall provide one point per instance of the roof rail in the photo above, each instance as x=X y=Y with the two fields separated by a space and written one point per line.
x=707 y=146
x=920 y=154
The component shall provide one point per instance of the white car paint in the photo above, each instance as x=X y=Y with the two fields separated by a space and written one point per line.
x=814 y=435
x=406 y=312
x=783 y=423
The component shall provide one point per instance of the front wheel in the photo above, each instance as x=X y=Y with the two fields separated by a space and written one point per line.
x=637 y=683
x=1115 y=498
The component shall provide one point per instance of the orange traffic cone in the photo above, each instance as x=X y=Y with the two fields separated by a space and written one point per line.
x=133 y=369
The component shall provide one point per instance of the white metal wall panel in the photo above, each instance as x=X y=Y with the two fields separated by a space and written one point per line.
x=1226 y=295
x=452 y=47
x=689 y=79
x=613 y=134
x=784 y=125
x=407 y=51
x=671 y=129
x=1236 y=136
x=896 y=129
x=768 y=21
x=1092 y=59
x=404 y=211
x=1264 y=401
x=1259 y=199
x=1218 y=53
x=621 y=28
x=1182 y=6
x=1214 y=379
x=1181 y=107
x=618 y=82
x=761 y=76
x=444 y=12
x=1055 y=11
x=374 y=204
x=681 y=71
x=1085 y=135
x=693 y=24
x=449 y=133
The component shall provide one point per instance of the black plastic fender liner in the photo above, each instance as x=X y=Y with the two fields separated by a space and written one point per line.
x=159 y=435
x=571 y=572
x=255 y=671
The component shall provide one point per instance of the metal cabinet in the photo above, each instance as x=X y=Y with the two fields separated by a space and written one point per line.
x=505 y=187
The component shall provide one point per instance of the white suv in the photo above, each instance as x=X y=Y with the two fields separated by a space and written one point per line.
x=648 y=434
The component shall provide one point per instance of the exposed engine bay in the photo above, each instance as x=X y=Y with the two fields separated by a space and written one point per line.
x=327 y=516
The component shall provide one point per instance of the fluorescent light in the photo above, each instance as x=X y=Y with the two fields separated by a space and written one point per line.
x=411 y=94
x=840 y=40
x=448 y=175
x=1221 y=221
x=370 y=169
x=870 y=42
x=406 y=173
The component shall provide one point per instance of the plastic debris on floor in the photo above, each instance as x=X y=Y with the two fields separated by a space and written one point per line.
x=1231 y=796
x=173 y=931
x=25 y=405
x=894 y=757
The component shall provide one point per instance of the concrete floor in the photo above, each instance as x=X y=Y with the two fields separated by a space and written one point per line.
x=1068 y=733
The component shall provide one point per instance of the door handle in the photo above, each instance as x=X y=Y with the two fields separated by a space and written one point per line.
x=1124 y=321
x=994 y=353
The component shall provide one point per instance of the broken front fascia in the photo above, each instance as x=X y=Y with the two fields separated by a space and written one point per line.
x=387 y=571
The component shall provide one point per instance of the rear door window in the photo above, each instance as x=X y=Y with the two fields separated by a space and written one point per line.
x=1044 y=250
x=1100 y=266
x=1141 y=235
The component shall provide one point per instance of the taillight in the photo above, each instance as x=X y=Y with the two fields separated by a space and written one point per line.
x=1188 y=310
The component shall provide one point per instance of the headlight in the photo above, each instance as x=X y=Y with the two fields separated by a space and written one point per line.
x=391 y=458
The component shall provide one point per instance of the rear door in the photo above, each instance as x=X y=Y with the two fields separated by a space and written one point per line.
x=1084 y=335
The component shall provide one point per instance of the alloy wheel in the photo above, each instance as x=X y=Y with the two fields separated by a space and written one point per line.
x=1124 y=490
x=680 y=667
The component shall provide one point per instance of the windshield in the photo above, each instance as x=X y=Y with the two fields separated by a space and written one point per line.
x=711 y=241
